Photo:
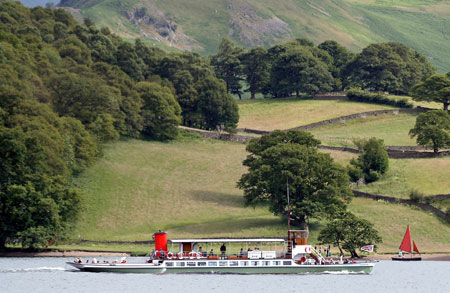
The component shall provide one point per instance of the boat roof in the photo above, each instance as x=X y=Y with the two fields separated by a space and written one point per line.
x=226 y=240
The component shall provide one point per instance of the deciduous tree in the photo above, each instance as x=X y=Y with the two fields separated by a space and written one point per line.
x=432 y=129
x=349 y=233
x=436 y=88
x=318 y=186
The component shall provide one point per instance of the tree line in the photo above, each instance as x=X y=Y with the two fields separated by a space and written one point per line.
x=300 y=67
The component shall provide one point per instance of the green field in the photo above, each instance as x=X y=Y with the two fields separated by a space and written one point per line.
x=185 y=187
x=428 y=231
x=271 y=114
x=429 y=176
x=393 y=129
x=188 y=188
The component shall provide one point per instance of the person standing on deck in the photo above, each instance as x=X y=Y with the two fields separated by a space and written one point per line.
x=223 y=250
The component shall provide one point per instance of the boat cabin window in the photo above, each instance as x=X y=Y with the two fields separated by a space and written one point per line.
x=180 y=264
x=287 y=262
x=223 y=263
x=212 y=263
x=233 y=263
x=254 y=263
x=169 y=264
x=266 y=263
x=244 y=263
x=201 y=263
x=191 y=263
x=276 y=262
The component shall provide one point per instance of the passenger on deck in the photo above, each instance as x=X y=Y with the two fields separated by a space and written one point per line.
x=223 y=250
x=161 y=253
x=400 y=254
x=241 y=254
x=202 y=253
x=211 y=253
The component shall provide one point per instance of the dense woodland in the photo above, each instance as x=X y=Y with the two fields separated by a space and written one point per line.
x=67 y=87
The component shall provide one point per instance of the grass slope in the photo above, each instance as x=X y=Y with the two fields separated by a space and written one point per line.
x=423 y=26
x=271 y=114
x=429 y=176
x=188 y=188
x=184 y=187
x=393 y=129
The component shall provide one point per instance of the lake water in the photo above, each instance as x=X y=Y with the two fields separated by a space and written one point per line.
x=45 y=274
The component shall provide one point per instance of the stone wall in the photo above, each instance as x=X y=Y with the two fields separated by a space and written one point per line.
x=354 y=116
x=393 y=154
x=423 y=206
x=216 y=135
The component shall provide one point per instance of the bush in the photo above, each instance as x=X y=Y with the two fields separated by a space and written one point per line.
x=377 y=98
x=416 y=196
x=372 y=163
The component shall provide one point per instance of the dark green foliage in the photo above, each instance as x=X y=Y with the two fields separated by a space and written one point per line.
x=372 y=163
x=436 y=88
x=228 y=66
x=317 y=185
x=377 y=98
x=202 y=97
x=391 y=67
x=296 y=68
x=432 y=129
x=349 y=233
x=161 y=112
x=65 y=88
x=341 y=56
x=255 y=68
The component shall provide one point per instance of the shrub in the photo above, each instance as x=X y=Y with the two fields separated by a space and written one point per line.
x=377 y=98
x=416 y=196
x=372 y=163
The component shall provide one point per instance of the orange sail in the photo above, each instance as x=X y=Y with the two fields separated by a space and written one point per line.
x=415 y=248
x=406 y=243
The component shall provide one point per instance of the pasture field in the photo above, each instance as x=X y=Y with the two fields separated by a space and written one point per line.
x=393 y=129
x=428 y=231
x=272 y=114
x=188 y=188
x=428 y=176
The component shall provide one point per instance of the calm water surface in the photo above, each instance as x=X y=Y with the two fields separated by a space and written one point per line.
x=52 y=275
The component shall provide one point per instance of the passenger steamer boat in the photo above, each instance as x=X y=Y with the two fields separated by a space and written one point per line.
x=297 y=257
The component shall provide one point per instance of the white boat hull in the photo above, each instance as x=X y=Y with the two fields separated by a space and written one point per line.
x=354 y=268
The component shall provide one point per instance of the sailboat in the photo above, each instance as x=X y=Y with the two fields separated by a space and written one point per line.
x=406 y=247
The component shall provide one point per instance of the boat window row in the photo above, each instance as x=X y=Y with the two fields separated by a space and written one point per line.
x=228 y=263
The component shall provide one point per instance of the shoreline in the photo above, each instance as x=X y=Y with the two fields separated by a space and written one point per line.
x=81 y=253
x=425 y=257
x=65 y=253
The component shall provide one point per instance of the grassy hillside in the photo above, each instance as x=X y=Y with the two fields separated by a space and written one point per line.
x=187 y=187
x=393 y=129
x=429 y=176
x=200 y=25
x=271 y=114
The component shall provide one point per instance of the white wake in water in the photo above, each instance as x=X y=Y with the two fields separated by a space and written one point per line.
x=38 y=269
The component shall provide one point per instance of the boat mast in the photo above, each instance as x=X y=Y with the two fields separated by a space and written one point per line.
x=289 y=207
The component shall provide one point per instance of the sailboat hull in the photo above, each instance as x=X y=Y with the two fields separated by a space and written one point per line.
x=407 y=258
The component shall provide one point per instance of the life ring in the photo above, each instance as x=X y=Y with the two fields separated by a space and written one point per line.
x=199 y=255
x=169 y=255
x=192 y=255
x=303 y=259
x=180 y=255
